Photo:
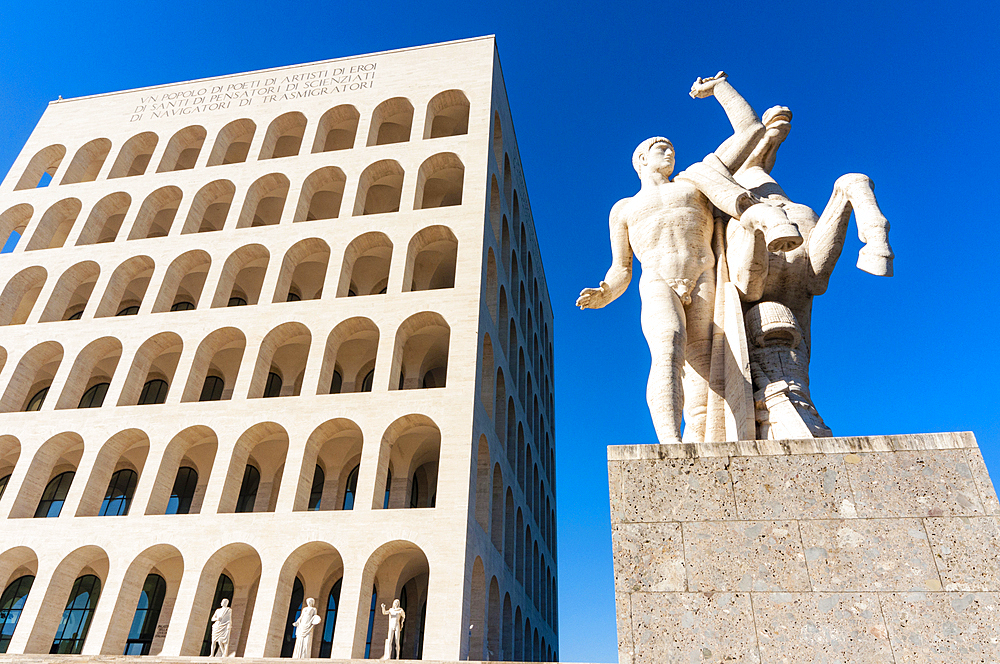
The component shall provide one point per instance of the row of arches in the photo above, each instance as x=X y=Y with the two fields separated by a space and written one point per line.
x=440 y=183
x=498 y=401
x=220 y=367
x=155 y=605
x=447 y=114
x=525 y=297
x=522 y=549
x=197 y=473
x=501 y=631
x=302 y=274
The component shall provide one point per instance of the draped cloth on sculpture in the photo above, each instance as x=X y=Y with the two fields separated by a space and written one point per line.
x=304 y=632
x=222 y=624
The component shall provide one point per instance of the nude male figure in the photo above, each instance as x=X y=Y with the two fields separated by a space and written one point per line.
x=396 y=618
x=669 y=224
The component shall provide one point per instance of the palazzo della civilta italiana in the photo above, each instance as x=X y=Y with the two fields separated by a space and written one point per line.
x=276 y=349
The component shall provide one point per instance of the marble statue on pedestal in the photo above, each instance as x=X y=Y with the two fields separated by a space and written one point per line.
x=222 y=625
x=669 y=225
x=730 y=266
x=307 y=620
x=396 y=618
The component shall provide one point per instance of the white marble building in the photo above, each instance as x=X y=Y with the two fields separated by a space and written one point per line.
x=371 y=214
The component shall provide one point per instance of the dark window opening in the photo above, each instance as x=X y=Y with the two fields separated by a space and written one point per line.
x=153 y=392
x=54 y=496
x=76 y=617
x=273 y=386
x=183 y=492
x=94 y=397
x=351 y=489
x=248 y=490
x=316 y=494
x=35 y=403
x=119 y=495
x=212 y=389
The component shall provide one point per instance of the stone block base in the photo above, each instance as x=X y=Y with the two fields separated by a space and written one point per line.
x=876 y=549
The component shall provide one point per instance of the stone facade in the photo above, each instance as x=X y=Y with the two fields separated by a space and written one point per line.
x=877 y=549
x=371 y=214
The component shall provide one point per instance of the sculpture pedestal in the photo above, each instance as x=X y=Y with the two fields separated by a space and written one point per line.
x=873 y=549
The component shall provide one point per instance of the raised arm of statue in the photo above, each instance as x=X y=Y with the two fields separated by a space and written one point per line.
x=747 y=127
x=620 y=274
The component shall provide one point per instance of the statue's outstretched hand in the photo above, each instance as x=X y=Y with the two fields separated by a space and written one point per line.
x=705 y=87
x=594 y=298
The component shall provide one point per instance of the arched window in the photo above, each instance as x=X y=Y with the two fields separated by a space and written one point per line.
x=316 y=494
x=248 y=490
x=368 y=381
x=212 y=389
x=94 y=397
x=371 y=623
x=129 y=311
x=54 y=496
x=224 y=589
x=3 y=484
x=414 y=492
x=147 y=614
x=336 y=383
x=154 y=392
x=294 y=609
x=351 y=489
x=182 y=306
x=419 y=654
x=330 y=620
x=183 y=492
x=76 y=617
x=388 y=485
x=293 y=297
x=236 y=302
x=35 y=403
x=273 y=386
x=119 y=495
x=11 y=604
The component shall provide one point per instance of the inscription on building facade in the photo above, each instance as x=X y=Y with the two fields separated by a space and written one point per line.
x=221 y=96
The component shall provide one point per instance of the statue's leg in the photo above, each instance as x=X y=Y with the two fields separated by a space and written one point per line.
x=873 y=228
x=663 y=325
x=699 y=317
x=856 y=192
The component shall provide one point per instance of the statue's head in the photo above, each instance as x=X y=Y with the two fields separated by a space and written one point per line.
x=395 y=603
x=310 y=602
x=777 y=121
x=654 y=155
x=225 y=603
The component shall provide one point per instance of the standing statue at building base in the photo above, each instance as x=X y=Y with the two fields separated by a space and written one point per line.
x=730 y=266
x=396 y=618
x=222 y=625
x=304 y=624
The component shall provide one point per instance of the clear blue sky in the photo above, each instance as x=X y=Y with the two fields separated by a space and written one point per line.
x=905 y=92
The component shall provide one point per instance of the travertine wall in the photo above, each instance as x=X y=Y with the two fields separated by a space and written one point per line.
x=421 y=248
x=876 y=549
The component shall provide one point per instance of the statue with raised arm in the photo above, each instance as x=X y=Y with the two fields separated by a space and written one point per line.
x=222 y=625
x=304 y=624
x=669 y=226
x=396 y=618
x=778 y=287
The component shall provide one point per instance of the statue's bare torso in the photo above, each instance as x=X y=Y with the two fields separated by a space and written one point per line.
x=670 y=231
